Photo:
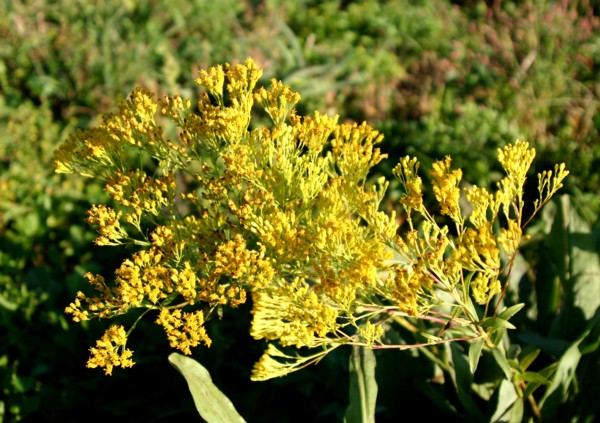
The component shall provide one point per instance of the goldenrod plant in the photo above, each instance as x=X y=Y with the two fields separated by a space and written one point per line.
x=225 y=208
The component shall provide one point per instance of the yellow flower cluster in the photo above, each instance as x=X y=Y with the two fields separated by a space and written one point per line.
x=136 y=190
x=184 y=330
x=286 y=214
x=473 y=259
x=406 y=172
x=278 y=102
x=109 y=225
x=292 y=313
x=110 y=351
x=446 y=187
x=407 y=285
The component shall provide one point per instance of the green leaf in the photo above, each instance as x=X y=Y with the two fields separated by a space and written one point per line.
x=528 y=358
x=430 y=337
x=496 y=323
x=510 y=312
x=546 y=373
x=532 y=377
x=469 y=306
x=363 y=386
x=211 y=403
x=500 y=358
x=517 y=410
x=463 y=380
x=569 y=257
x=29 y=224
x=8 y=304
x=462 y=332
x=474 y=354
x=507 y=395
x=558 y=391
x=584 y=261
x=497 y=334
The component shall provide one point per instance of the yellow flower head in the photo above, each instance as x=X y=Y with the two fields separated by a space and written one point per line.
x=110 y=351
x=482 y=202
x=109 y=227
x=478 y=249
x=516 y=160
x=406 y=172
x=213 y=79
x=354 y=152
x=406 y=288
x=278 y=102
x=446 y=188
x=293 y=314
x=484 y=287
x=184 y=330
x=510 y=237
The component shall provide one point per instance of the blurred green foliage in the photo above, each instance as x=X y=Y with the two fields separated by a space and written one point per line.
x=437 y=78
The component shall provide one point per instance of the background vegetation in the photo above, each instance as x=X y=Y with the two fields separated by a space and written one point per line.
x=436 y=77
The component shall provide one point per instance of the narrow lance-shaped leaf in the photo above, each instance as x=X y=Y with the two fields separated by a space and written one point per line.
x=475 y=353
x=500 y=357
x=510 y=311
x=463 y=379
x=363 y=386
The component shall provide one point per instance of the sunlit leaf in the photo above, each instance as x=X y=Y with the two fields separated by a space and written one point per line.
x=510 y=312
x=500 y=358
x=211 y=403
x=531 y=377
x=497 y=323
x=475 y=353
x=363 y=386
x=507 y=395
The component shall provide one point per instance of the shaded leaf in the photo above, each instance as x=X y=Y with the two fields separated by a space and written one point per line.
x=558 y=391
x=463 y=379
x=498 y=334
x=533 y=385
x=549 y=345
x=570 y=255
x=528 y=358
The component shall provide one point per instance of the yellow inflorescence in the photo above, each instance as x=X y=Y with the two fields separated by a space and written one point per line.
x=292 y=313
x=285 y=214
x=184 y=330
x=109 y=225
x=110 y=351
x=446 y=188
x=406 y=172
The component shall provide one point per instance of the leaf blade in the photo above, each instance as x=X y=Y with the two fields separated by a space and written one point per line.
x=363 y=386
x=211 y=403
